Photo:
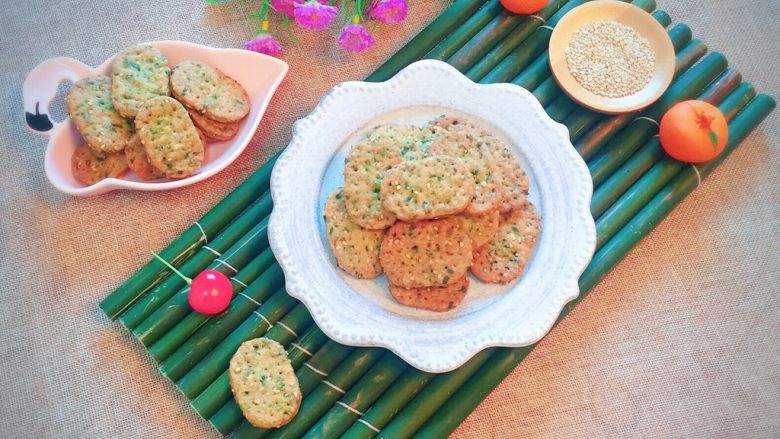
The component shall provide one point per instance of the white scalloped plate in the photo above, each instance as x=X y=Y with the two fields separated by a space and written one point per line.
x=362 y=312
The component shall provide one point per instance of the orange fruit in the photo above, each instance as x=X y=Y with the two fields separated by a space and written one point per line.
x=693 y=131
x=524 y=6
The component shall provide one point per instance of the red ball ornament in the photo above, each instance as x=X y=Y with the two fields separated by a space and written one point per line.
x=524 y=7
x=210 y=292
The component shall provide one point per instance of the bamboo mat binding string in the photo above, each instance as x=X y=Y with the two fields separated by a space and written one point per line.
x=423 y=387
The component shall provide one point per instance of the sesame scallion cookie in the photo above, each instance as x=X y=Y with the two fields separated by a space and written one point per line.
x=210 y=92
x=171 y=141
x=428 y=188
x=356 y=249
x=426 y=253
x=213 y=129
x=139 y=73
x=432 y=298
x=90 y=166
x=504 y=258
x=264 y=384
x=138 y=161
x=90 y=108
x=481 y=228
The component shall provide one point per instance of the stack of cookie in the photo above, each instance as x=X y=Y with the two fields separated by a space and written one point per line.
x=426 y=204
x=130 y=119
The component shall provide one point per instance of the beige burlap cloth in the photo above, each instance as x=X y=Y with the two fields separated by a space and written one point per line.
x=680 y=340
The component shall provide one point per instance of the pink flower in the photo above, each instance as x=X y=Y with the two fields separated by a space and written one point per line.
x=313 y=15
x=356 y=38
x=286 y=7
x=264 y=43
x=388 y=11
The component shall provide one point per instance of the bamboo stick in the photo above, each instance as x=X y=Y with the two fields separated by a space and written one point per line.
x=362 y=394
x=487 y=37
x=464 y=33
x=415 y=412
x=190 y=240
x=175 y=308
x=509 y=44
x=468 y=397
x=450 y=19
x=284 y=332
x=612 y=188
x=643 y=127
x=163 y=291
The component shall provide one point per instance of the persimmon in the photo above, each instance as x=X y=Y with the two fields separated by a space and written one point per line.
x=524 y=6
x=693 y=131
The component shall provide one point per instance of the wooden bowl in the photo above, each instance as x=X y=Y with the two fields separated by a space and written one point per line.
x=628 y=15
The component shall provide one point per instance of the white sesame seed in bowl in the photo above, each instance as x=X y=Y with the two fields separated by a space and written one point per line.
x=611 y=57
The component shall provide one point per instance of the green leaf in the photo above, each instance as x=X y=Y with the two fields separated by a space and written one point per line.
x=714 y=139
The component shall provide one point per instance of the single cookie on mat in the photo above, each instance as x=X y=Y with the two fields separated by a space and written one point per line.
x=428 y=188
x=480 y=162
x=426 y=253
x=264 y=384
x=138 y=161
x=90 y=166
x=210 y=92
x=504 y=258
x=432 y=298
x=364 y=171
x=139 y=73
x=213 y=129
x=481 y=228
x=91 y=110
x=171 y=141
x=356 y=248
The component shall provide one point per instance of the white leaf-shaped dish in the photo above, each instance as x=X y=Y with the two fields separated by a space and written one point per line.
x=259 y=74
x=362 y=312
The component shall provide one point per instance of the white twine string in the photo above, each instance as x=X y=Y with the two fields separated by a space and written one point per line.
x=250 y=299
x=367 y=424
x=651 y=120
x=289 y=329
x=226 y=265
x=546 y=27
x=263 y=317
x=218 y=254
x=317 y=371
x=202 y=232
x=301 y=348
x=239 y=282
x=334 y=387
x=539 y=18
x=698 y=175
x=350 y=408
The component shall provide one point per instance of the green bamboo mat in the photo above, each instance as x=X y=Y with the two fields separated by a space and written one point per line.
x=368 y=392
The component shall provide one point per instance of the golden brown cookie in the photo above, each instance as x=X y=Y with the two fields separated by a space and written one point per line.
x=356 y=249
x=264 y=384
x=138 y=161
x=91 y=110
x=213 y=129
x=172 y=142
x=432 y=298
x=90 y=166
x=481 y=228
x=480 y=162
x=429 y=188
x=504 y=258
x=426 y=253
x=139 y=73
x=364 y=171
x=210 y=92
